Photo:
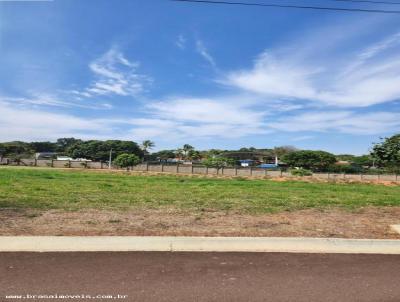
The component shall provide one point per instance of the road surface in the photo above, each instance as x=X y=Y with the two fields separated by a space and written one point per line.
x=165 y=276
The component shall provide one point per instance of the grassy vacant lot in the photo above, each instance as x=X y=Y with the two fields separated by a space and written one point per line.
x=73 y=190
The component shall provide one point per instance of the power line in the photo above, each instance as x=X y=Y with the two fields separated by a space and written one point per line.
x=368 y=1
x=341 y=9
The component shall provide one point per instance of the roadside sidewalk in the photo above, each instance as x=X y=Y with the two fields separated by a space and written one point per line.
x=196 y=244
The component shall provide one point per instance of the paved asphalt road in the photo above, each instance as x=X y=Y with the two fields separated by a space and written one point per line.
x=157 y=276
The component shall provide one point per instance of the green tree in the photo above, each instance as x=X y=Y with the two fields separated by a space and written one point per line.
x=2 y=151
x=212 y=153
x=62 y=144
x=301 y=172
x=179 y=153
x=193 y=155
x=387 y=153
x=186 y=149
x=363 y=161
x=163 y=155
x=281 y=151
x=308 y=159
x=43 y=146
x=100 y=150
x=126 y=160
x=16 y=150
x=345 y=157
x=147 y=145
x=218 y=162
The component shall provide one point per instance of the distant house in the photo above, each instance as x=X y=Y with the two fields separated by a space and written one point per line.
x=244 y=155
x=268 y=166
x=45 y=155
x=246 y=162
x=61 y=157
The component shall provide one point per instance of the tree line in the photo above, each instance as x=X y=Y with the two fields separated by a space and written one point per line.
x=384 y=155
x=95 y=150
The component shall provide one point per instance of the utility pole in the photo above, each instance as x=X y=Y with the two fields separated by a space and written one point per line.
x=109 y=160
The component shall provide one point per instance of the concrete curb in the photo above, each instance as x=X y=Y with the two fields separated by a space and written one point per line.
x=197 y=244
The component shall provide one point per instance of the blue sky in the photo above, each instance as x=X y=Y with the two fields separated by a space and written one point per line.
x=212 y=76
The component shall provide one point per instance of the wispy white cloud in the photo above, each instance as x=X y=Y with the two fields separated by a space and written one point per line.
x=42 y=99
x=204 y=110
x=339 y=121
x=31 y=124
x=372 y=51
x=201 y=117
x=302 y=138
x=115 y=75
x=181 y=42
x=203 y=51
x=36 y=100
x=368 y=78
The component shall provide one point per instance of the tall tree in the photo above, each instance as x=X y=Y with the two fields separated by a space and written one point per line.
x=212 y=153
x=64 y=143
x=387 y=153
x=163 y=155
x=2 y=151
x=363 y=161
x=218 y=162
x=100 y=150
x=179 y=153
x=147 y=145
x=16 y=149
x=282 y=151
x=193 y=155
x=43 y=146
x=186 y=149
x=308 y=159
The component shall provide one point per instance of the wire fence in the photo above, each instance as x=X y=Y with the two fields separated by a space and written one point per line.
x=176 y=168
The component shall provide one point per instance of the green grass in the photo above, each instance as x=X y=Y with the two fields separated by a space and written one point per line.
x=73 y=190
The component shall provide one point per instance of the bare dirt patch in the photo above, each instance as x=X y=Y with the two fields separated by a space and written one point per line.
x=363 y=223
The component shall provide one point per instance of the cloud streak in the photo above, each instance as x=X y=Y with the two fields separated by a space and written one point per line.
x=200 y=118
x=181 y=42
x=203 y=51
x=29 y=124
x=339 y=121
x=115 y=75
x=372 y=77
x=47 y=100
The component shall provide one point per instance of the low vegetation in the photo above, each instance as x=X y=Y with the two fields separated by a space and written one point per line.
x=301 y=172
x=126 y=160
x=383 y=158
x=74 y=190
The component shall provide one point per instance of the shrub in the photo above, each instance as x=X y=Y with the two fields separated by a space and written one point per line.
x=218 y=162
x=350 y=169
x=308 y=159
x=240 y=178
x=387 y=153
x=126 y=160
x=301 y=172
